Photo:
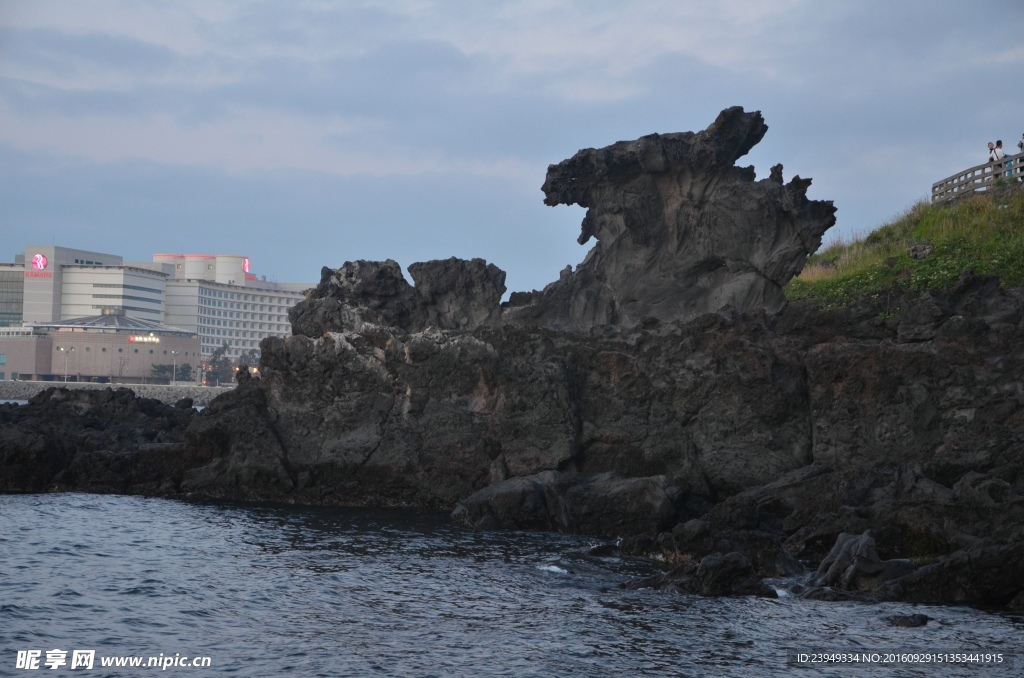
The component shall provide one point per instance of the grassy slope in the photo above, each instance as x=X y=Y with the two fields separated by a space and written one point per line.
x=984 y=233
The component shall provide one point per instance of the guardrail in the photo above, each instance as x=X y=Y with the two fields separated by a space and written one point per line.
x=979 y=179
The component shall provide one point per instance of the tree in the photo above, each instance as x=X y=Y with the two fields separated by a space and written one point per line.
x=162 y=372
x=250 y=358
x=183 y=373
x=218 y=366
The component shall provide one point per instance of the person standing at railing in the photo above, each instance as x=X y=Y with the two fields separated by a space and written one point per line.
x=991 y=158
x=1000 y=154
x=1020 y=159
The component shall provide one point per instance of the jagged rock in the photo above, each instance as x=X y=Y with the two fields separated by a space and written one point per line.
x=359 y=292
x=243 y=453
x=908 y=621
x=737 y=524
x=605 y=504
x=730 y=574
x=718 y=574
x=681 y=230
x=452 y=294
x=92 y=440
x=853 y=564
x=987 y=574
x=458 y=295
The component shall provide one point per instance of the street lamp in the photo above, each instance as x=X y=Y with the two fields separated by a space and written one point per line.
x=174 y=368
x=65 y=351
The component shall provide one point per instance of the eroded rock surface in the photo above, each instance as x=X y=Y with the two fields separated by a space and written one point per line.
x=718 y=574
x=681 y=231
x=450 y=294
x=94 y=440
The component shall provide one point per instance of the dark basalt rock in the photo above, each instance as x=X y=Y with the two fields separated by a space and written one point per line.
x=983 y=574
x=681 y=230
x=907 y=621
x=453 y=294
x=853 y=564
x=604 y=504
x=92 y=440
x=718 y=574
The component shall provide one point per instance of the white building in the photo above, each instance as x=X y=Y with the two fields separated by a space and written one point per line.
x=61 y=283
x=93 y=290
x=214 y=296
x=218 y=298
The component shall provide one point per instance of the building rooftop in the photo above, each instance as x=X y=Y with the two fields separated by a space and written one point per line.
x=117 y=323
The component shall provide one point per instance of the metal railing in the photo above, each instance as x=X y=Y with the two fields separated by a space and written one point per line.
x=979 y=178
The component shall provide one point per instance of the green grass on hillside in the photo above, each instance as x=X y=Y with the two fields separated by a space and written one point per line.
x=984 y=233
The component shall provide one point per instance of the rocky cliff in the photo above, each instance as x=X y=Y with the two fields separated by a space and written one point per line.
x=453 y=294
x=697 y=420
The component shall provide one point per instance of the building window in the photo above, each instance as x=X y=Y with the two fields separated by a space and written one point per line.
x=151 y=290
x=103 y=350
x=3 y=358
x=120 y=350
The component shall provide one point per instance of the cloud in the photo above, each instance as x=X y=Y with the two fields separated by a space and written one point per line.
x=413 y=110
x=289 y=222
x=73 y=60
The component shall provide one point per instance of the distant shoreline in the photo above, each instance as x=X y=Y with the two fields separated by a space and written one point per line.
x=201 y=395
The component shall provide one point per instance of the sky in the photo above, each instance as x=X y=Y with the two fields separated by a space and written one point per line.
x=309 y=133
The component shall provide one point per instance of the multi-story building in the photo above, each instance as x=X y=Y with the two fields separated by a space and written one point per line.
x=218 y=298
x=48 y=283
x=215 y=297
x=12 y=294
x=106 y=348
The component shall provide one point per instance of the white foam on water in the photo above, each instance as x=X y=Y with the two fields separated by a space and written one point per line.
x=552 y=568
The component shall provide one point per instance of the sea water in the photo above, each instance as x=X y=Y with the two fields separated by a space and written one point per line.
x=273 y=591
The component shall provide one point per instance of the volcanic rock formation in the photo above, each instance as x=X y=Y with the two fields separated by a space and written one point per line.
x=681 y=230
x=453 y=294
